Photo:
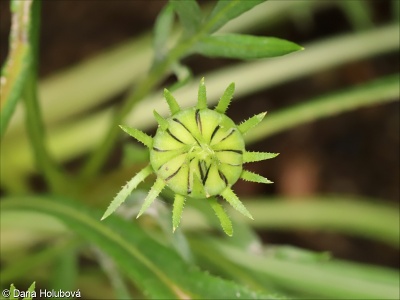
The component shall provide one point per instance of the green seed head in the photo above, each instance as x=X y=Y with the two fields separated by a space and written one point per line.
x=199 y=154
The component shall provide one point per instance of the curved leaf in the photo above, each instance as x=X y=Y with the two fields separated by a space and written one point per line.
x=157 y=270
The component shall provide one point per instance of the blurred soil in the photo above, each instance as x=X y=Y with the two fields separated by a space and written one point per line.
x=355 y=153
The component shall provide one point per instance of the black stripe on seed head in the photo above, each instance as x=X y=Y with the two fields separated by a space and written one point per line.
x=223 y=177
x=173 y=174
x=201 y=171
x=174 y=137
x=198 y=120
x=189 y=189
x=214 y=132
x=160 y=150
x=183 y=125
x=206 y=175
x=229 y=134
x=230 y=150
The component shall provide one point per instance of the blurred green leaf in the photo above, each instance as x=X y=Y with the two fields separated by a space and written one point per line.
x=243 y=46
x=189 y=14
x=162 y=31
x=224 y=11
x=350 y=215
x=19 y=60
x=65 y=270
x=157 y=270
x=381 y=90
x=34 y=260
x=362 y=217
x=330 y=279
x=358 y=13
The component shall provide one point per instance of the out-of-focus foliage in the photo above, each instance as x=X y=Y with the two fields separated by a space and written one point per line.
x=56 y=239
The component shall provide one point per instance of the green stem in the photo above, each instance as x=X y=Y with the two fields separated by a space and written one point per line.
x=34 y=122
x=15 y=69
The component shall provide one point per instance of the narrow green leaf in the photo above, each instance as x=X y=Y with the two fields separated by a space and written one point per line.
x=224 y=11
x=179 y=202
x=189 y=14
x=127 y=190
x=331 y=279
x=251 y=122
x=243 y=46
x=202 y=95
x=160 y=120
x=162 y=31
x=171 y=101
x=233 y=200
x=155 y=190
x=222 y=216
x=225 y=99
x=249 y=156
x=19 y=61
x=159 y=272
x=30 y=290
x=139 y=135
x=253 y=177
x=12 y=292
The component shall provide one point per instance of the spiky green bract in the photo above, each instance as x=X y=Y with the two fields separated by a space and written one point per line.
x=250 y=156
x=202 y=95
x=154 y=192
x=222 y=216
x=226 y=98
x=233 y=200
x=250 y=176
x=250 y=123
x=173 y=105
x=126 y=190
x=160 y=120
x=179 y=202
x=138 y=135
